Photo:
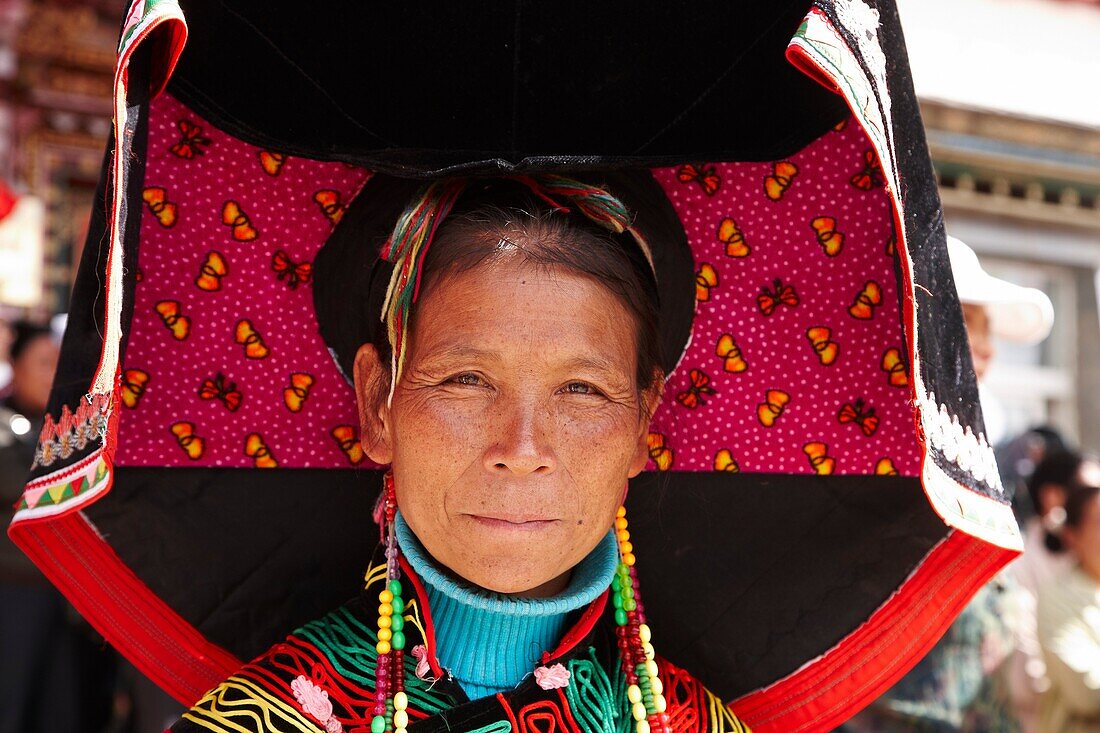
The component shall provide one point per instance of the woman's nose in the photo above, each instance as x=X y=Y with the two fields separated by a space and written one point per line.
x=522 y=446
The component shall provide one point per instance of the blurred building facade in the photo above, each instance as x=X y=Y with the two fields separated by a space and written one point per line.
x=1007 y=91
x=56 y=65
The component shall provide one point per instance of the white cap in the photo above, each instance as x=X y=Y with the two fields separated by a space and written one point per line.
x=1016 y=313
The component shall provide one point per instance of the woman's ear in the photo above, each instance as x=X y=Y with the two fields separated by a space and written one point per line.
x=372 y=387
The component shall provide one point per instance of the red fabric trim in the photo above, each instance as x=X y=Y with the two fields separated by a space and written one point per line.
x=580 y=629
x=131 y=618
x=429 y=629
x=882 y=650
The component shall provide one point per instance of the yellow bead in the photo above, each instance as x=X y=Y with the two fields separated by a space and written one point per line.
x=623 y=536
x=647 y=649
x=625 y=547
x=645 y=634
x=634 y=694
x=642 y=726
x=401 y=701
x=621 y=512
x=400 y=719
x=628 y=558
x=638 y=709
x=620 y=523
x=384 y=635
x=385 y=596
x=400 y=730
x=385 y=610
x=651 y=667
x=382 y=647
x=384 y=622
x=660 y=704
x=657 y=686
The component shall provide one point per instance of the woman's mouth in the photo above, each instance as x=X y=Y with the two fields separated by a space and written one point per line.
x=513 y=523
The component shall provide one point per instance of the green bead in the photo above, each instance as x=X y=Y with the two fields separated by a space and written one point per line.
x=395 y=587
x=398 y=605
x=617 y=600
x=620 y=617
x=397 y=623
x=398 y=640
x=378 y=724
x=628 y=591
x=629 y=604
x=616 y=584
x=624 y=570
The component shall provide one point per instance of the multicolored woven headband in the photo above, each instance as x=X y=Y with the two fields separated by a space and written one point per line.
x=407 y=248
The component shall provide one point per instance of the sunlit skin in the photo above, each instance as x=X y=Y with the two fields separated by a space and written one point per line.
x=981 y=338
x=32 y=374
x=1084 y=540
x=515 y=424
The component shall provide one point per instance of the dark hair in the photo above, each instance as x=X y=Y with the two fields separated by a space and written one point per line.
x=548 y=238
x=24 y=334
x=1077 y=502
x=1058 y=467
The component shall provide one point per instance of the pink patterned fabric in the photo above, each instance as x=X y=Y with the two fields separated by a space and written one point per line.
x=224 y=365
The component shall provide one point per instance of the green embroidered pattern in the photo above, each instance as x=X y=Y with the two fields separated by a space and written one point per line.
x=597 y=702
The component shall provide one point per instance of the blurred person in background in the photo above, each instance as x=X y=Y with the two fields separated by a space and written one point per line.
x=1069 y=622
x=963 y=684
x=1043 y=561
x=43 y=654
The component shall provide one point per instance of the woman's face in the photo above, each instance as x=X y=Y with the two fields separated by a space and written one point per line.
x=516 y=423
x=1084 y=540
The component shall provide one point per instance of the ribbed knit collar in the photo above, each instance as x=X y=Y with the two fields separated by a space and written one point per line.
x=490 y=641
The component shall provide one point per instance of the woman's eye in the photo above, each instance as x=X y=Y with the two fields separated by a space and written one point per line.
x=470 y=380
x=580 y=388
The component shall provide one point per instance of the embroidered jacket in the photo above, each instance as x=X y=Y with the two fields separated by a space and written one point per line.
x=321 y=680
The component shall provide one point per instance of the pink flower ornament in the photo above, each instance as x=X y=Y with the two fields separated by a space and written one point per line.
x=422 y=666
x=552 y=678
x=315 y=703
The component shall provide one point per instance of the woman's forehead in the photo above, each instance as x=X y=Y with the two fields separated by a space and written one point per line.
x=512 y=306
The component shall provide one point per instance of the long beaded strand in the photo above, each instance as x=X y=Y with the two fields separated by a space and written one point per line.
x=390 y=701
x=645 y=690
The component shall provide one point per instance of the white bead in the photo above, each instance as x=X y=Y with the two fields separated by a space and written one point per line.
x=638 y=710
x=634 y=694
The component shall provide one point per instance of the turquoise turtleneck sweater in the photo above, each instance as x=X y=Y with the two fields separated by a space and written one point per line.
x=490 y=641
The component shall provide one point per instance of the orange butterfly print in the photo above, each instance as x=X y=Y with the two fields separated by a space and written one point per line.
x=892 y=245
x=705 y=279
x=295 y=273
x=296 y=394
x=866 y=420
x=818 y=453
x=211 y=272
x=330 y=204
x=271 y=162
x=871 y=175
x=783 y=173
x=164 y=210
x=885 y=467
x=192 y=444
x=138 y=275
x=769 y=300
x=768 y=411
x=233 y=216
x=894 y=366
x=729 y=350
x=659 y=452
x=863 y=307
x=705 y=175
x=247 y=336
x=841 y=125
x=734 y=239
x=169 y=312
x=724 y=461
x=827 y=236
x=221 y=389
x=134 y=383
x=256 y=449
x=826 y=350
x=692 y=397
x=346 y=438
x=191 y=140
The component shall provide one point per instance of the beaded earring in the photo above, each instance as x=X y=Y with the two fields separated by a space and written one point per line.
x=390 y=701
x=644 y=691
